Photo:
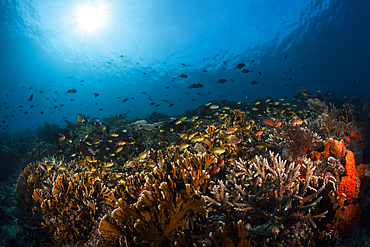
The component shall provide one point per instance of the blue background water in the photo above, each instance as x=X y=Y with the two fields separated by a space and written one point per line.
x=144 y=46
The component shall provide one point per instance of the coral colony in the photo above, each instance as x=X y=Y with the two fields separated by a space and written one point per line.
x=273 y=175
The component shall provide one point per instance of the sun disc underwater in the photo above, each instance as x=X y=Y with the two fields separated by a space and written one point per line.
x=91 y=18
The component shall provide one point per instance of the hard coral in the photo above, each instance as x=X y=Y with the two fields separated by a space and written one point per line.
x=317 y=107
x=72 y=205
x=165 y=208
x=297 y=140
x=332 y=124
x=268 y=196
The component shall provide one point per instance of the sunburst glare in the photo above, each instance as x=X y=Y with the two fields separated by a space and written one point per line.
x=91 y=17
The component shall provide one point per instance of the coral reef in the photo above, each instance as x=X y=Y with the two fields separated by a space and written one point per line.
x=72 y=205
x=332 y=123
x=166 y=205
x=295 y=141
x=317 y=107
x=219 y=178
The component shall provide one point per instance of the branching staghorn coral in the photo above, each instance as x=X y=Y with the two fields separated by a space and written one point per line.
x=267 y=195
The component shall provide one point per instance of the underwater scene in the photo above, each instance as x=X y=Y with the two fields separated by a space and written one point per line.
x=184 y=123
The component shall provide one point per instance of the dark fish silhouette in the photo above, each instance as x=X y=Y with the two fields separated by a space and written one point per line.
x=259 y=73
x=179 y=99
x=152 y=103
x=193 y=99
x=196 y=85
x=254 y=82
x=82 y=80
x=183 y=76
x=222 y=81
x=30 y=98
x=204 y=70
x=125 y=99
x=245 y=71
x=241 y=65
x=72 y=91
x=96 y=95
x=143 y=92
x=170 y=105
x=100 y=109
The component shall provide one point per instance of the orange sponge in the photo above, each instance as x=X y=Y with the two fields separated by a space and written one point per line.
x=351 y=216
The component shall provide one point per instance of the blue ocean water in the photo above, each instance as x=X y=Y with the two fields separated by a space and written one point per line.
x=152 y=51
